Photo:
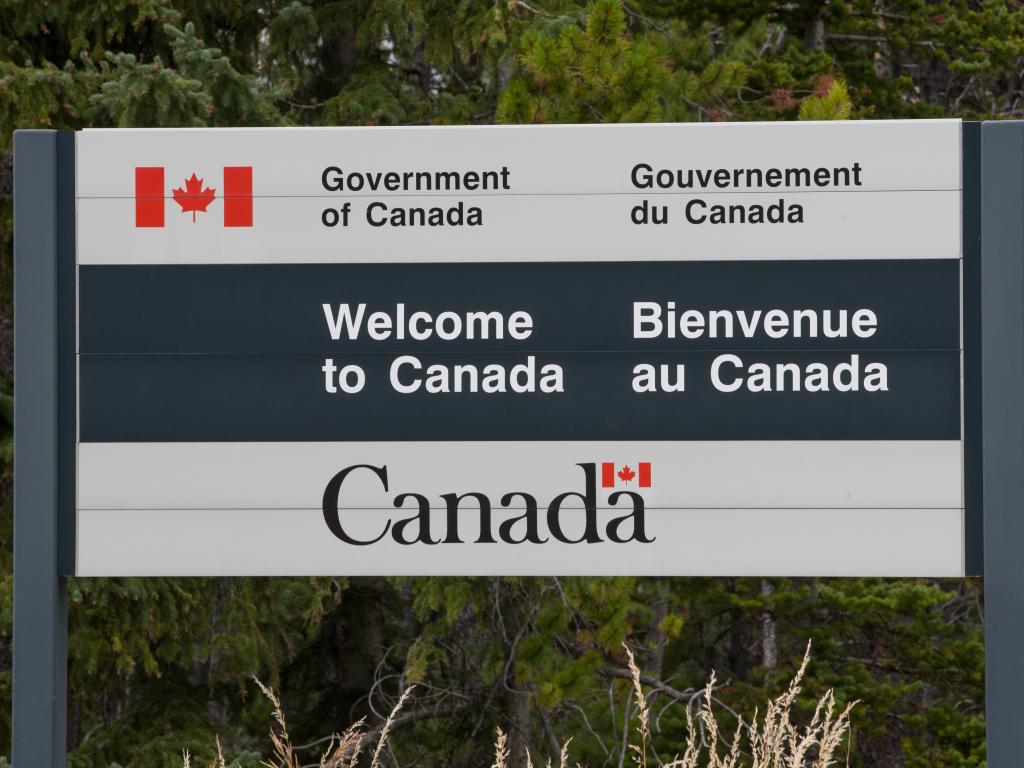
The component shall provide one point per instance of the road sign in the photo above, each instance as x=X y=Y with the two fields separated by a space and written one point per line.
x=414 y=350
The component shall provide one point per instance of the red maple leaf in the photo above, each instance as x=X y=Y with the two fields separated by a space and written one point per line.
x=193 y=197
x=626 y=473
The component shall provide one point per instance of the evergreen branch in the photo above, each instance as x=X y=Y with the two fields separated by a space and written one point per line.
x=415 y=715
x=658 y=685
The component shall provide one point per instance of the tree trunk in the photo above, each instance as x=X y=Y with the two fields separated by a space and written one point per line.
x=521 y=730
x=516 y=704
x=423 y=70
x=769 y=645
x=74 y=724
x=338 y=57
x=814 y=29
x=358 y=640
x=883 y=53
x=654 y=659
x=739 y=656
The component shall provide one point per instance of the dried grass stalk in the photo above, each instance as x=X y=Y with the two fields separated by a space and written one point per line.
x=769 y=741
x=375 y=763
x=501 y=750
x=640 y=752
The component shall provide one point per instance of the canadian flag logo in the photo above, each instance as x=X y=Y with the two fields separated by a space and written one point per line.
x=641 y=476
x=193 y=196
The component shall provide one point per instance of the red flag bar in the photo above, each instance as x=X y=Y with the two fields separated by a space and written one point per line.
x=149 y=197
x=644 y=478
x=238 y=196
x=607 y=474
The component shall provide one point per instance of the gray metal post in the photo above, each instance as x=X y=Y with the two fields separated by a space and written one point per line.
x=40 y=593
x=1002 y=334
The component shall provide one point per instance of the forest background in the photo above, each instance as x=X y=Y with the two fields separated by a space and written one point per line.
x=161 y=664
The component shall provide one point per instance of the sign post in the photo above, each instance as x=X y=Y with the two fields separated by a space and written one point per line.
x=1002 y=311
x=39 y=718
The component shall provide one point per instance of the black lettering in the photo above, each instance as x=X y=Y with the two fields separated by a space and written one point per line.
x=529 y=517
x=330 y=504
x=589 y=498
x=451 y=501
x=332 y=179
x=637 y=516
x=422 y=517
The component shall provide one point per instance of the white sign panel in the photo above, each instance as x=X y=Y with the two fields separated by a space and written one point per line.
x=556 y=193
x=637 y=349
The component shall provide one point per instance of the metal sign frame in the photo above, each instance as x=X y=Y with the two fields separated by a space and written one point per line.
x=45 y=426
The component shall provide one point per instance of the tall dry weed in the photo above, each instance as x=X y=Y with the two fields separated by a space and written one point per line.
x=773 y=740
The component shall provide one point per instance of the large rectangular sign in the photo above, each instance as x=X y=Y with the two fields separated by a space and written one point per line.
x=664 y=349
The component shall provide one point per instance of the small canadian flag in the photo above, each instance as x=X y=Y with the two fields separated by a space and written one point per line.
x=193 y=196
x=626 y=474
